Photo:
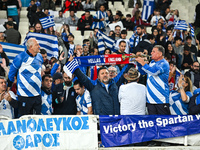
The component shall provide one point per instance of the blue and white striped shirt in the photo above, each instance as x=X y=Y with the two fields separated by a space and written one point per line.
x=83 y=102
x=134 y=40
x=101 y=24
x=177 y=106
x=28 y=70
x=157 y=81
x=46 y=103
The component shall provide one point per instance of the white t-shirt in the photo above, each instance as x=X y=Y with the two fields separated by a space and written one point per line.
x=132 y=98
x=5 y=108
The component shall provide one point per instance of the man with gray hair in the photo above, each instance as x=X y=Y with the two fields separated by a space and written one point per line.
x=27 y=66
x=157 y=81
x=112 y=72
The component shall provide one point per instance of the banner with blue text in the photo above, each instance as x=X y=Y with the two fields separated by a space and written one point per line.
x=123 y=130
x=49 y=132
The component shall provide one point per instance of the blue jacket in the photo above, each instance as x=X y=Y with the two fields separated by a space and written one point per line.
x=103 y=102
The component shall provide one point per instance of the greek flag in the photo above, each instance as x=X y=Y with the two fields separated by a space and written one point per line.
x=11 y=50
x=47 y=22
x=181 y=25
x=47 y=42
x=148 y=7
x=105 y=42
x=192 y=30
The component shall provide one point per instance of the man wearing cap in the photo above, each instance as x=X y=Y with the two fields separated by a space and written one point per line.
x=64 y=95
x=12 y=36
x=157 y=81
x=57 y=78
x=132 y=96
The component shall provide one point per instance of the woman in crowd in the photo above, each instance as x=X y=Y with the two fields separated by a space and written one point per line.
x=173 y=15
x=156 y=35
x=107 y=51
x=178 y=100
x=50 y=31
x=66 y=32
x=138 y=20
x=170 y=50
x=110 y=15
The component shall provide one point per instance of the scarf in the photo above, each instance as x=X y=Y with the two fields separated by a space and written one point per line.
x=86 y=61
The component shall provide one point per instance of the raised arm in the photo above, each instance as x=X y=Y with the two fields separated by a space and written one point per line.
x=119 y=79
x=84 y=79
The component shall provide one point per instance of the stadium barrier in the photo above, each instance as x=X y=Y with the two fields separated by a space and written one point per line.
x=80 y=132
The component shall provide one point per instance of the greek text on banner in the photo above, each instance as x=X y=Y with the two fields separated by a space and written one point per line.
x=47 y=132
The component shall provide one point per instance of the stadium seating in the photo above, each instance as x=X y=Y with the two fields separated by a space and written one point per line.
x=186 y=9
x=3 y=14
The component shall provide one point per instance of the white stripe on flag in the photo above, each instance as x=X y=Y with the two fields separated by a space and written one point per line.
x=47 y=22
x=12 y=50
x=47 y=42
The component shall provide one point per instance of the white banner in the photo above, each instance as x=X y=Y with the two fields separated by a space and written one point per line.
x=49 y=132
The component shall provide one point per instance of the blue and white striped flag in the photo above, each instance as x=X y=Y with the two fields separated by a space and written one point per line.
x=47 y=22
x=46 y=41
x=12 y=50
x=192 y=30
x=148 y=8
x=181 y=25
x=105 y=42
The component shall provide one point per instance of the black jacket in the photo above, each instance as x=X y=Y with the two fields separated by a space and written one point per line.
x=67 y=106
x=146 y=44
x=82 y=22
x=194 y=109
x=128 y=25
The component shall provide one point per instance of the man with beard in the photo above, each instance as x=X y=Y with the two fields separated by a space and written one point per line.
x=46 y=95
x=136 y=38
x=194 y=74
x=64 y=97
x=103 y=91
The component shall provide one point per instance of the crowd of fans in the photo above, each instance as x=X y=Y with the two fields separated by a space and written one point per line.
x=33 y=84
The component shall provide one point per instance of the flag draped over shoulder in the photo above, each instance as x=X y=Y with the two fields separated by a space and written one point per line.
x=181 y=25
x=47 y=22
x=148 y=8
x=105 y=42
x=12 y=50
x=85 y=61
x=47 y=42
